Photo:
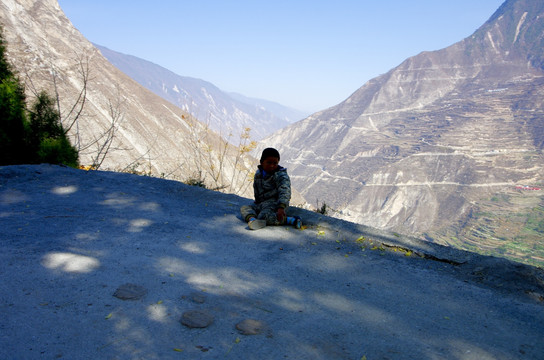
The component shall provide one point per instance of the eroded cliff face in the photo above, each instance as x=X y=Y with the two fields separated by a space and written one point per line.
x=413 y=149
x=152 y=135
x=49 y=52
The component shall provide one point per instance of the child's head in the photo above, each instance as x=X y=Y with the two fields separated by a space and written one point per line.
x=270 y=159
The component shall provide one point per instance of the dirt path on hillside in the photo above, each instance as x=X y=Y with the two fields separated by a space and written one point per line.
x=76 y=245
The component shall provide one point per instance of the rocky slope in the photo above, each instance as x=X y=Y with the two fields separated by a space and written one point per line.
x=225 y=113
x=414 y=149
x=150 y=134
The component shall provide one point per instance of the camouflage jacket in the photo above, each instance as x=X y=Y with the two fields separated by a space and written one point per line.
x=272 y=187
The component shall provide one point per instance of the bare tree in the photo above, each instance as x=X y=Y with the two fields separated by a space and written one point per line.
x=213 y=161
x=72 y=109
x=71 y=116
x=103 y=142
x=217 y=164
x=242 y=170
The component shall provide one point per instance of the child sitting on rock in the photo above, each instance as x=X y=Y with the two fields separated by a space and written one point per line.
x=272 y=189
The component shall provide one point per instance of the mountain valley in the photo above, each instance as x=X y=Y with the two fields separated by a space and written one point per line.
x=225 y=113
x=418 y=149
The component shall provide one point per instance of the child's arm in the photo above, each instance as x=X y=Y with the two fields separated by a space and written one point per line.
x=255 y=190
x=284 y=189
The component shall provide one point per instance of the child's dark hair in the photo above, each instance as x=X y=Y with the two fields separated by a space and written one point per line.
x=270 y=152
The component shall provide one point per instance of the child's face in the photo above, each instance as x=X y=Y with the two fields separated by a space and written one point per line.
x=270 y=164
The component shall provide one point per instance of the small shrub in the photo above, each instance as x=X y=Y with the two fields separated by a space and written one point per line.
x=323 y=209
x=58 y=151
x=195 y=182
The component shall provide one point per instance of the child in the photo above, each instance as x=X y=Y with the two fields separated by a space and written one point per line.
x=272 y=189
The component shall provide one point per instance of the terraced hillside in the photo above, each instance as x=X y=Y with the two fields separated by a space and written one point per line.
x=509 y=224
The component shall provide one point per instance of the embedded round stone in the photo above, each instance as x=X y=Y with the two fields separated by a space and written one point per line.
x=196 y=319
x=130 y=292
x=198 y=298
x=250 y=327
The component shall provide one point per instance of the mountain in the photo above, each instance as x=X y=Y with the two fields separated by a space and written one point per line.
x=113 y=120
x=284 y=112
x=225 y=113
x=419 y=149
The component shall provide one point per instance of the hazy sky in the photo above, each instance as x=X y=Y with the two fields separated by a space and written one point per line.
x=307 y=54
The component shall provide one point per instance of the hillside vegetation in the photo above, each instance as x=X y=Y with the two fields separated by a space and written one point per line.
x=509 y=224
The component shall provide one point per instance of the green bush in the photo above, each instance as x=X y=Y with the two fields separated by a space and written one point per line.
x=57 y=151
x=324 y=209
x=47 y=137
x=12 y=121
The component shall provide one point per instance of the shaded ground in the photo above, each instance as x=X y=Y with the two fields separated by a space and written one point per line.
x=335 y=290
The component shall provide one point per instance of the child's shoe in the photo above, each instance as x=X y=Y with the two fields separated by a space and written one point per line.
x=256 y=224
x=298 y=222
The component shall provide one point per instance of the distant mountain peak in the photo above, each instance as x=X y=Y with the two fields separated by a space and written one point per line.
x=516 y=29
x=225 y=113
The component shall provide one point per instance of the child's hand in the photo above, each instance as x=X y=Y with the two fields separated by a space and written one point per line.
x=280 y=215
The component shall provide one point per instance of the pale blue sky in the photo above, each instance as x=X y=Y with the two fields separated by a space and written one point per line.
x=307 y=54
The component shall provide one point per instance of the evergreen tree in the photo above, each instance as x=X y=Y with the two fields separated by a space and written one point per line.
x=40 y=139
x=47 y=140
x=5 y=68
x=12 y=113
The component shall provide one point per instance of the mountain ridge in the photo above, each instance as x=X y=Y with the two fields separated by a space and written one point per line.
x=414 y=149
x=225 y=113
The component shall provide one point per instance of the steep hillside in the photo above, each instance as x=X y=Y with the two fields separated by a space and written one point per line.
x=509 y=224
x=108 y=112
x=416 y=148
x=225 y=113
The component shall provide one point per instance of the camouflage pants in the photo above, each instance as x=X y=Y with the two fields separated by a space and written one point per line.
x=264 y=211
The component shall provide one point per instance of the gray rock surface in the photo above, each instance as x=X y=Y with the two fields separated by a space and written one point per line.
x=334 y=290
